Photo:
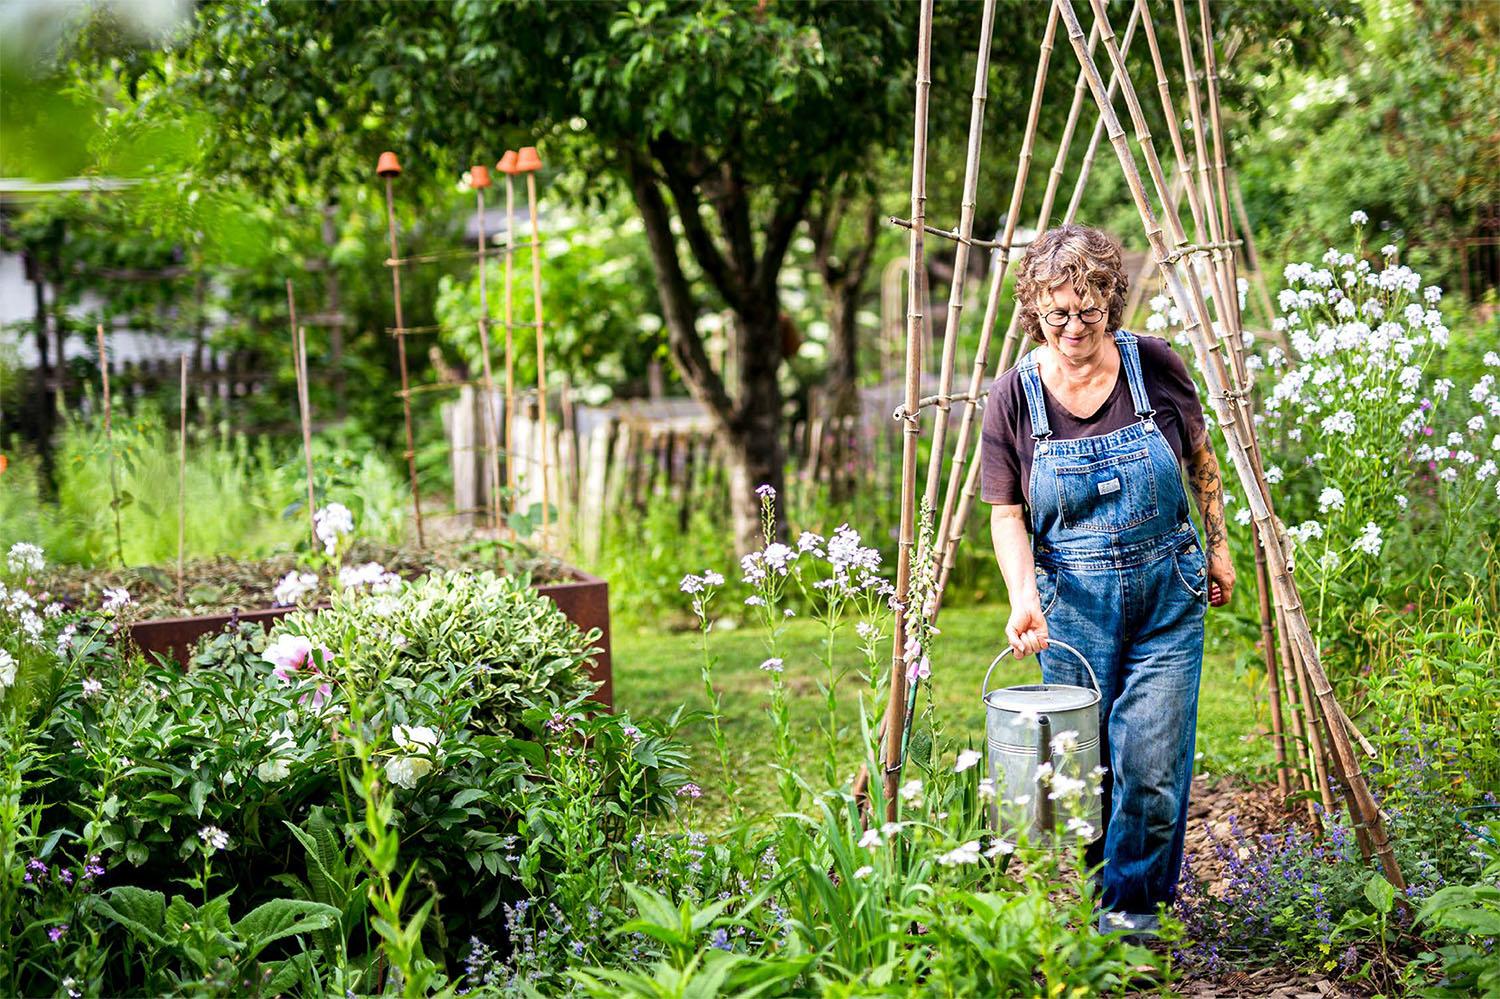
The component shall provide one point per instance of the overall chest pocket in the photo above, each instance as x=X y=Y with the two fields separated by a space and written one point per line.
x=1108 y=496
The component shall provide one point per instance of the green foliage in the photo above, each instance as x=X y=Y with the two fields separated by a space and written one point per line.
x=244 y=496
x=522 y=651
x=1399 y=124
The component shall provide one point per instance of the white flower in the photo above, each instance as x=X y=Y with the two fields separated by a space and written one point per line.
x=1449 y=474
x=691 y=584
x=331 y=523
x=1273 y=474
x=711 y=578
x=1306 y=531
x=1064 y=787
x=1442 y=387
x=1021 y=799
x=115 y=598
x=1388 y=250
x=1485 y=471
x=1401 y=501
x=871 y=839
x=966 y=854
x=214 y=838
x=986 y=789
x=863 y=872
x=7 y=669
x=416 y=738
x=865 y=630
x=92 y=688
x=1358 y=218
x=1341 y=422
x=277 y=768
x=1369 y=541
x=1156 y=322
x=966 y=760
x=25 y=558
x=1065 y=741
x=371 y=574
x=911 y=792
x=1330 y=499
x=293 y=587
x=772 y=665
x=890 y=829
x=999 y=846
x=1081 y=827
x=1432 y=294
x=1242 y=516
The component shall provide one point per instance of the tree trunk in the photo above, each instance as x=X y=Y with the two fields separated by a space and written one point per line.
x=43 y=415
x=757 y=452
x=843 y=351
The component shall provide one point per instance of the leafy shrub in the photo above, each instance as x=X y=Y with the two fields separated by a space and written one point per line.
x=522 y=651
x=253 y=784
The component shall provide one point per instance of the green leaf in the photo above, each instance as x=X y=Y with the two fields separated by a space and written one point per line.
x=141 y=912
x=281 y=918
x=1380 y=893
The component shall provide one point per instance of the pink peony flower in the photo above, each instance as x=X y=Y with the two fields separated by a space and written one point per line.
x=293 y=654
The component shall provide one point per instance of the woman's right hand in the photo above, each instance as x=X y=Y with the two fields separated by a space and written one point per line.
x=1027 y=628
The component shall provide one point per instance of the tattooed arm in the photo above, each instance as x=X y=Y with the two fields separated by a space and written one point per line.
x=1208 y=490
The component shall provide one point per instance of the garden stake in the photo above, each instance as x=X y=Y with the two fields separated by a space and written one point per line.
x=1226 y=295
x=946 y=548
x=1299 y=743
x=528 y=162
x=507 y=166
x=895 y=721
x=1188 y=294
x=299 y=370
x=389 y=168
x=1211 y=72
x=479 y=179
x=182 y=476
x=109 y=442
x=998 y=267
x=957 y=286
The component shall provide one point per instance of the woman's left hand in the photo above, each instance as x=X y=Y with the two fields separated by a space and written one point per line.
x=1220 y=576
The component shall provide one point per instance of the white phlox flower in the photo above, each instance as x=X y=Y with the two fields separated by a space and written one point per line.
x=332 y=523
x=966 y=760
x=293 y=587
x=25 y=558
x=965 y=854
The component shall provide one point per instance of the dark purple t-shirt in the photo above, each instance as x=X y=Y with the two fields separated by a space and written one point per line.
x=1005 y=456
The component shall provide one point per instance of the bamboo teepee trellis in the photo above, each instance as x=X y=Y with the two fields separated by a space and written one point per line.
x=1319 y=726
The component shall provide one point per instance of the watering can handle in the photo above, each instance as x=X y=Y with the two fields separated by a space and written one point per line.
x=984 y=688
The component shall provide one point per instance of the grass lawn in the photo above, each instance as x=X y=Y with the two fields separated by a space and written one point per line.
x=656 y=670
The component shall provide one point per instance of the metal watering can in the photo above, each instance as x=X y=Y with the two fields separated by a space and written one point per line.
x=1020 y=723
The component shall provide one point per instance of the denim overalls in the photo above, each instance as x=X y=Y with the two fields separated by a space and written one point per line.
x=1122 y=576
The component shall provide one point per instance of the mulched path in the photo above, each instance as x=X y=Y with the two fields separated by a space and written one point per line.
x=1256 y=809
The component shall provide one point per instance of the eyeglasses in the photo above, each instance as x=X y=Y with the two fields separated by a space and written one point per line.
x=1058 y=318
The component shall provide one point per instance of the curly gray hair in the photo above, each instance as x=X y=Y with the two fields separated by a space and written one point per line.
x=1087 y=259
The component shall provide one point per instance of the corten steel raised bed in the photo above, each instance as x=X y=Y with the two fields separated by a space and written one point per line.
x=584 y=599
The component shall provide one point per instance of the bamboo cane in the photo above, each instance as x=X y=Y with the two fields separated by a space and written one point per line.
x=1220 y=170
x=304 y=412
x=182 y=474
x=411 y=445
x=895 y=721
x=1169 y=107
x=109 y=443
x=510 y=359
x=997 y=281
x=1186 y=291
x=951 y=528
x=965 y=231
x=1226 y=296
x=541 y=348
x=1300 y=744
x=1009 y=346
x=300 y=375
x=491 y=446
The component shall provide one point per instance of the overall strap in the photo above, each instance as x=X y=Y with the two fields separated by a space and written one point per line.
x=1131 y=358
x=1031 y=382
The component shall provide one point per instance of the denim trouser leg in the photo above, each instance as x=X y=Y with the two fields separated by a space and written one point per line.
x=1142 y=629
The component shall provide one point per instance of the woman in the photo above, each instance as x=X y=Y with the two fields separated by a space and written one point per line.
x=1084 y=445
